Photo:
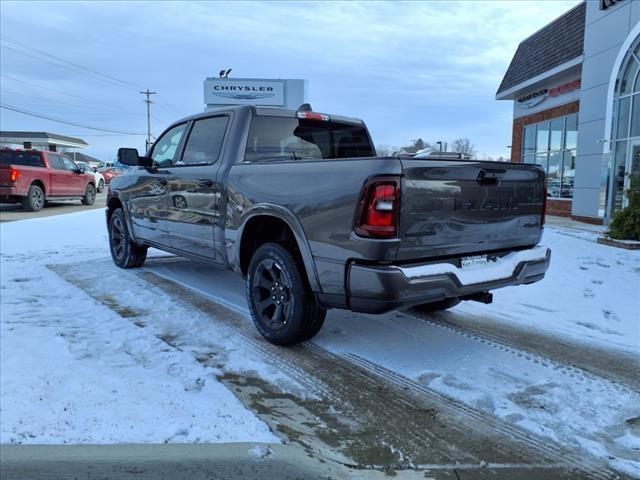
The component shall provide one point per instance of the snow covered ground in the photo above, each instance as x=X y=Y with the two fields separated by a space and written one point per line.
x=591 y=294
x=74 y=371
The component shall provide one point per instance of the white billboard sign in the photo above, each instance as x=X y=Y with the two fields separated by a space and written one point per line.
x=228 y=91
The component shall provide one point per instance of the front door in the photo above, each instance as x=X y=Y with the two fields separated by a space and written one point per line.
x=76 y=179
x=61 y=177
x=194 y=191
x=147 y=194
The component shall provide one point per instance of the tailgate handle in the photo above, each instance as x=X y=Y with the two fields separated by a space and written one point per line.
x=490 y=176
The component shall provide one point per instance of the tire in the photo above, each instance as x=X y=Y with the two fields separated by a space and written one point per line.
x=89 y=195
x=437 y=306
x=35 y=199
x=100 y=186
x=124 y=252
x=294 y=317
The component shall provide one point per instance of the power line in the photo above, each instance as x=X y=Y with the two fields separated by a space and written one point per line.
x=93 y=101
x=59 y=120
x=61 y=102
x=81 y=67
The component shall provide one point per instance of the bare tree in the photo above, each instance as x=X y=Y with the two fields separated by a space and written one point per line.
x=386 y=150
x=463 y=145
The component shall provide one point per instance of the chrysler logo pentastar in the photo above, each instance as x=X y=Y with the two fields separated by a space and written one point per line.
x=245 y=92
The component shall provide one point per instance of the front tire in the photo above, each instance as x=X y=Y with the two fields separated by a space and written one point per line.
x=282 y=306
x=89 y=195
x=124 y=252
x=35 y=199
x=100 y=186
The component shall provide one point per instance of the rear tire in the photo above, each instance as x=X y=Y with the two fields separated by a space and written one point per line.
x=124 y=252
x=89 y=195
x=437 y=306
x=282 y=306
x=35 y=199
x=100 y=186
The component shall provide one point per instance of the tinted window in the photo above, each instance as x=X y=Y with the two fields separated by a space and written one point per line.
x=31 y=159
x=56 y=162
x=205 y=141
x=165 y=149
x=281 y=139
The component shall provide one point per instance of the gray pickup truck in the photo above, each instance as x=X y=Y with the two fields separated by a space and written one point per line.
x=298 y=203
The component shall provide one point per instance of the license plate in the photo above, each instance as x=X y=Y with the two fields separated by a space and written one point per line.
x=473 y=260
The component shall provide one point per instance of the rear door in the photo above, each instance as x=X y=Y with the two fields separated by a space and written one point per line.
x=456 y=207
x=194 y=190
x=148 y=195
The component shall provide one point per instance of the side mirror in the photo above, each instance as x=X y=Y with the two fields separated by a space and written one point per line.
x=130 y=156
x=81 y=170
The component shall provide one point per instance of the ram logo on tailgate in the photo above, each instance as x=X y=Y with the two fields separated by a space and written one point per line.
x=487 y=204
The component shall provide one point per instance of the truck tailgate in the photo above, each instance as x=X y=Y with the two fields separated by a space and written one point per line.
x=454 y=207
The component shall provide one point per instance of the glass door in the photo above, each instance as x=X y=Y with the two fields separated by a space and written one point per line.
x=632 y=167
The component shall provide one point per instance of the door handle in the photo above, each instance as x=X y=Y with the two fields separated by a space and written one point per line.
x=206 y=182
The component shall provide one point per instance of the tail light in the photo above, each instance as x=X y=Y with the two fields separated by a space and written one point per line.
x=313 y=116
x=14 y=174
x=379 y=208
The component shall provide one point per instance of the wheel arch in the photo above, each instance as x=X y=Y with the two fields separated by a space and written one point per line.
x=40 y=184
x=275 y=225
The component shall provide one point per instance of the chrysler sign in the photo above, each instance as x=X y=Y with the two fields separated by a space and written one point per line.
x=228 y=91
x=536 y=98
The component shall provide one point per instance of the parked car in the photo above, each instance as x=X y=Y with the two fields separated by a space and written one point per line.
x=109 y=173
x=99 y=178
x=298 y=203
x=32 y=177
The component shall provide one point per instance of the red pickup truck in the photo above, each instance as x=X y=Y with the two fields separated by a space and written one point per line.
x=32 y=177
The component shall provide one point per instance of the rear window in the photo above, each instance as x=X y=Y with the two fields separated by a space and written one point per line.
x=283 y=139
x=29 y=159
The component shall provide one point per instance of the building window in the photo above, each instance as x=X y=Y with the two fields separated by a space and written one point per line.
x=626 y=131
x=552 y=145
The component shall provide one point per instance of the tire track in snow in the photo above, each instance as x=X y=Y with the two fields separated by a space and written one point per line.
x=371 y=415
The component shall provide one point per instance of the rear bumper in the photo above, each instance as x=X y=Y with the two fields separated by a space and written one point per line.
x=8 y=194
x=6 y=190
x=374 y=289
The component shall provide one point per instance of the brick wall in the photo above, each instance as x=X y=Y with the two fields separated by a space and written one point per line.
x=520 y=123
x=559 y=208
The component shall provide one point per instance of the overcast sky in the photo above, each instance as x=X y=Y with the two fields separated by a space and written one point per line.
x=410 y=70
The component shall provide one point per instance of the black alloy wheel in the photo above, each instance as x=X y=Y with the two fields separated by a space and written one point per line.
x=124 y=252
x=283 y=307
x=272 y=294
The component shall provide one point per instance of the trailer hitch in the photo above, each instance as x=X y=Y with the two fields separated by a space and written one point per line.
x=482 y=297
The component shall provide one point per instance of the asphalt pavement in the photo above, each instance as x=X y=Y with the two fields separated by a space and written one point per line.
x=10 y=212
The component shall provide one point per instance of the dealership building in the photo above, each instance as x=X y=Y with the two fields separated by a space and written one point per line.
x=575 y=87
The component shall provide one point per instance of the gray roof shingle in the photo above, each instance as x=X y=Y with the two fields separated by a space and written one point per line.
x=560 y=41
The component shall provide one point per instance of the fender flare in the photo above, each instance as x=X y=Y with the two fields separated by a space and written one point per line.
x=288 y=217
